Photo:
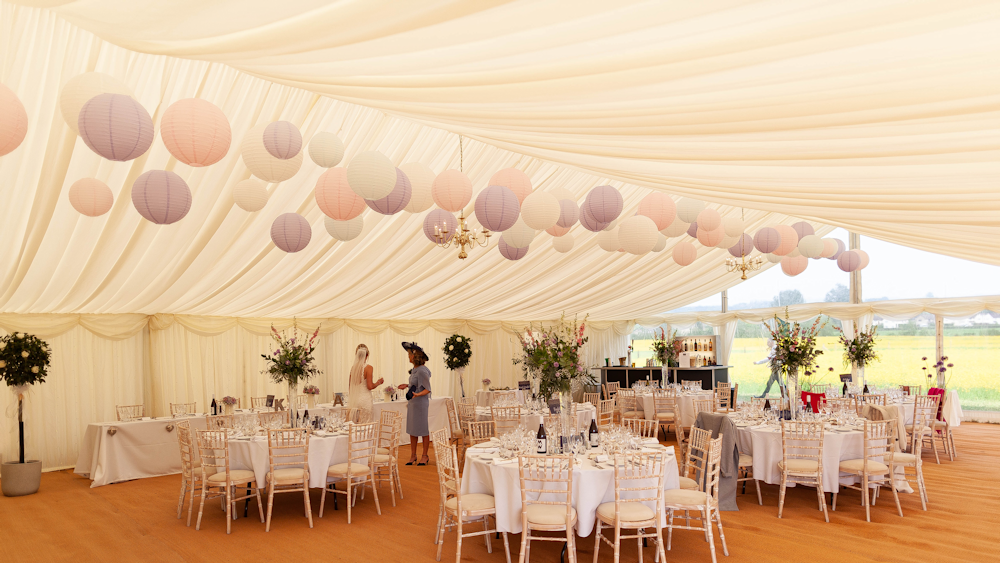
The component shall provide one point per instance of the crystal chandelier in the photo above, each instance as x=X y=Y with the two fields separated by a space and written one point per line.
x=463 y=236
x=744 y=265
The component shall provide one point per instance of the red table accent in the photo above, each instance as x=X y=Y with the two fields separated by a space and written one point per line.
x=817 y=400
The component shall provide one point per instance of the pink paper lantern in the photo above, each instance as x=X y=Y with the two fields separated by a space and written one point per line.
x=693 y=230
x=684 y=253
x=767 y=240
x=398 y=198
x=829 y=248
x=789 y=240
x=569 y=213
x=589 y=223
x=803 y=229
x=557 y=231
x=13 y=121
x=91 y=197
x=116 y=127
x=864 y=258
x=743 y=247
x=849 y=261
x=514 y=180
x=291 y=232
x=282 y=140
x=452 y=190
x=841 y=247
x=659 y=207
x=510 y=252
x=710 y=238
x=443 y=221
x=793 y=266
x=604 y=203
x=497 y=208
x=196 y=132
x=709 y=219
x=335 y=197
x=161 y=196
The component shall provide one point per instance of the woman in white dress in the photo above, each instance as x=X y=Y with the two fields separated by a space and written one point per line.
x=361 y=385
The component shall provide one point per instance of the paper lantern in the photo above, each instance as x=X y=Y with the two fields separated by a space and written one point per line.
x=733 y=226
x=291 y=232
x=638 y=234
x=540 y=210
x=841 y=247
x=519 y=235
x=588 y=222
x=611 y=225
x=91 y=197
x=116 y=127
x=511 y=252
x=514 y=180
x=693 y=230
x=372 y=175
x=421 y=179
x=727 y=242
x=13 y=121
x=710 y=238
x=344 y=230
x=688 y=209
x=196 y=132
x=743 y=247
x=444 y=221
x=811 y=246
x=396 y=200
x=795 y=253
x=849 y=261
x=684 y=253
x=81 y=89
x=675 y=229
x=452 y=190
x=710 y=220
x=335 y=197
x=864 y=258
x=608 y=240
x=659 y=207
x=326 y=149
x=261 y=164
x=604 y=203
x=767 y=240
x=557 y=231
x=829 y=247
x=789 y=240
x=563 y=244
x=497 y=208
x=569 y=213
x=161 y=196
x=661 y=243
x=794 y=266
x=282 y=139
x=774 y=258
x=803 y=229
x=250 y=195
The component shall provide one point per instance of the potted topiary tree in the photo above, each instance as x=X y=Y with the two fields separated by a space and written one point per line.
x=24 y=361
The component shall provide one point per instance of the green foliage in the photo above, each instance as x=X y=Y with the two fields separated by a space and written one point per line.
x=665 y=349
x=795 y=345
x=457 y=351
x=839 y=294
x=293 y=361
x=553 y=356
x=788 y=297
x=24 y=359
x=860 y=350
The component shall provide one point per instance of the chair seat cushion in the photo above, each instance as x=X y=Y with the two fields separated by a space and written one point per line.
x=684 y=497
x=630 y=512
x=341 y=469
x=631 y=414
x=457 y=434
x=746 y=460
x=382 y=451
x=548 y=514
x=472 y=503
x=237 y=475
x=287 y=475
x=689 y=484
x=800 y=465
x=940 y=424
x=664 y=416
x=904 y=458
x=856 y=465
x=381 y=459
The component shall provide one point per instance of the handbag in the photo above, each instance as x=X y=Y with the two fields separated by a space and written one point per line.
x=410 y=392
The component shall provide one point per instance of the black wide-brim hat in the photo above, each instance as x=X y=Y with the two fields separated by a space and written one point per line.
x=408 y=346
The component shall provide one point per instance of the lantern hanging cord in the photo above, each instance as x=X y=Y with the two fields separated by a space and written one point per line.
x=461 y=156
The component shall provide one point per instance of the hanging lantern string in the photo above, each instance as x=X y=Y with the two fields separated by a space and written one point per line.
x=461 y=156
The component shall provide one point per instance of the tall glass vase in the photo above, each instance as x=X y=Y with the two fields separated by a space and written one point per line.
x=794 y=397
x=293 y=406
x=566 y=421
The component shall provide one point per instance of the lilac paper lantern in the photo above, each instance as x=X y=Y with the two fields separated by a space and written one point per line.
x=442 y=220
x=497 y=208
x=849 y=261
x=589 y=223
x=509 y=252
x=282 y=140
x=604 y=203
x=767 y=240
x=291 y=232
x=743 y=247
x=161 y=196
x=841 y=247
x=398 y=198
x=569 y=213
x=116 y=127
x=693 y=230
x=803 y=229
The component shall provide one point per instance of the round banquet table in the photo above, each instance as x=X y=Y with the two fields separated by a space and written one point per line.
x=324 y=451
x=685 y=406
x=585 y=412
x=592 y=486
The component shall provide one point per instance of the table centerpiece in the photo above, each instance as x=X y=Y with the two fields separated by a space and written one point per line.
x=457 y=354
x=293 y=362
x=795 y=349
x=311 y=392
x=859 y=351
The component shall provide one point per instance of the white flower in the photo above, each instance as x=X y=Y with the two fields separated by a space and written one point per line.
x=452 y=347
x=3 y=345
x=3 y=364
x=20 y=335
x=34 y=369
x=25 y=354
x=459 y=338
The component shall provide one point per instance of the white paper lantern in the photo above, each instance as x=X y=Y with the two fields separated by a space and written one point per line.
x=638 y=234
x=421 y=180
x=733 y=226
x=91 y=197
x=326 y=149
x=81 y=88
x=250 y=195
x=688 y=209
x=811 y=246
x=676 y=229
x=563 y=244
x=520 y=235
x=512 y=178
x=829 y=247
x=611 y=226
x=773 y=258
x=344 y=230
x=710 y=220
x=540 y=210
x=684 y=253
x=608 y=240
x=728 y=241
x=452 y=190
x=794 y=253
x=661 y=243
x=261 y=164
x=371 y=175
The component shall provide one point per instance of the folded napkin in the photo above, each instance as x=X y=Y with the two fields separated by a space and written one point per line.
x=499 y=461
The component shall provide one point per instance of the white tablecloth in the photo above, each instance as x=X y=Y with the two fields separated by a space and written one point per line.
x=591 y=487
x=585 y=412
x=323 y=452
x=143 y=448
x=437 y=413
x=952 y=411
x=484 y=398
x=685 y=406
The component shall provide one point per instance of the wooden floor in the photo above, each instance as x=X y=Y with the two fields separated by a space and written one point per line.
x=135 y=521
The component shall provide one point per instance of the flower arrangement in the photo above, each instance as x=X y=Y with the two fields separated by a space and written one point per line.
x=486 y=382
x=24 y=361
x=457 y=351
x=390 y=391
x=293 y=360
x=666 y=350
x=860 y=350
x=310 y=390
x=227 y=400
x=553 y=355
x=795 y=345
x=806 y=383
x=938 y=369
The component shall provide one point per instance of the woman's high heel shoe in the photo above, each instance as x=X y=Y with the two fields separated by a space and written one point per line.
x=424 y=460
x=412 y=461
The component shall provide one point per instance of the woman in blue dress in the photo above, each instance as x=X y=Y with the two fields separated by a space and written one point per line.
x=416 y=410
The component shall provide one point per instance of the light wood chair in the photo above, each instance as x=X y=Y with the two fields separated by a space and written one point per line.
x=505 y=398
x=181 y=409
x=842 y=404
x=466 y=414
x=274 y=417
x=821 y=388
x=218 y=422
x=912 y=459
x=665 y=405
x=439 y=440
x=302 y=400
x=694 y=456
x=640 y=477
x=758 y=402
x=628 y=405
x=704 y=501
x=288 y=454
x=943 y=428
x=259 y=403
x=642 y=427
x=873 y=466
x=723 y=397
x=925 y=407
x=353 y=415
x=912 y=390
x=610 y=389
x=190 y=468
x=689 y=382
x=461 y=509
x=481 y=431
x=507 y=419
x=386 y=459
x=127 y=413
x=745 y=473
x=871 y=399
x=356 y=472
x=547 y=501
x=606 y=414
x=219 y=481
x=592 y=398
x=456 y=436
x=802 y=460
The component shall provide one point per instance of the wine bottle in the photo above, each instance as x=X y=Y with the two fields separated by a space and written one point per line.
x=767 y=404
x=685 y=346
x=865 y=391
x=595 y=437
x=808 y=408
x=305 y=419
x=215 y=406
x=845 y=389
x=542 y=440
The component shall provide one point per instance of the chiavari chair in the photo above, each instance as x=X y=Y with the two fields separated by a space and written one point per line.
x=592 y=398
x=274 y=418
x=218 y=422
x=705 y=501
x=258 y=403
x=628 y=406
x=873 y=466
x=288 y=455
x=461 y=509
x=385 y=462
x=642 y=427
x=481 y=431
x=610 y=389
x=219 y=481
x=802 y=459
x=439 y=440
x=723 y=397
x=456 y=435
x=665 y=407
x=356 y=472
x=925 y=408
x=606 y=414
x=507 y=419
x=912 y=459
x=190 y=468
x=694 y=456
x=547 y=501
x=640 y=477
x=127 y=413
x=181 y=409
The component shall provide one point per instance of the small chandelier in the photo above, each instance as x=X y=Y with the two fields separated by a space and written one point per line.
x=744 y=265
x=462 y=237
